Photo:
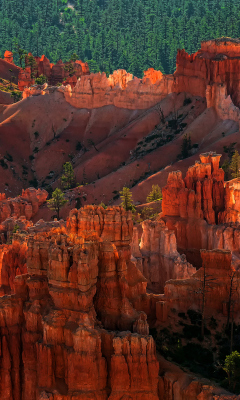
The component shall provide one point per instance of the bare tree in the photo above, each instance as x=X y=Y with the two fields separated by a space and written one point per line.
x=91 y=143
x=205 y=285
x=233 y=288
x=159 y=110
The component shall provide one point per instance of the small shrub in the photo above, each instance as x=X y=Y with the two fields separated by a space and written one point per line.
x=103 y=205
x=31 y=157
x=41 y=79
x=78 y=203
x=36 y=150
x=16 y=228
x=195 y=317
x=3 y=164
x=191 y=331
x=36 y=134
x=173 y=123
x=182 y=315
x=8 y=157
x=195 y=352
x=33 y=182
x=183 y=124
x=213 y=323
x=187 y=101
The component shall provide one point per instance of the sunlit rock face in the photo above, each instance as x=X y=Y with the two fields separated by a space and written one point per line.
x=80 y=282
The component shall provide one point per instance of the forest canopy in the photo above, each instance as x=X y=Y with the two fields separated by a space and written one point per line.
x=113 y=34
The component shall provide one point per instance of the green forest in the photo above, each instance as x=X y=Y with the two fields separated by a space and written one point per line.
x=112 y=34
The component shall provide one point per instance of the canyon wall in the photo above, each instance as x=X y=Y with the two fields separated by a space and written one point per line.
x=220 y=277
x=65 y=73
x=211 y=72
x=157 y=256
x=75 y=326
x=26 y=205
x=80 y=282
x=202 y=210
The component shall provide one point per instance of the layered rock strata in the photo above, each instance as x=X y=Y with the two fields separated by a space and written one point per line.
x=66 y=73
x=26 y=205
x=157 y=256
x=202 y=209
x=80 y=282
x=220 y=278
x=212 y=73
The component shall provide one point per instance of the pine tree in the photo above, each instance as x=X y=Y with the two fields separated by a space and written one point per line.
x=126 y=197
x=232 y=368
x=155 y=194
x=31 y=62
x=186 y=146
x=57 y=201
x=235 y=165
x=68 y=178
x=225 y=167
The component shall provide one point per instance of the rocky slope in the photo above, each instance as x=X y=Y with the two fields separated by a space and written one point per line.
x=74 y=326
x=141 y=121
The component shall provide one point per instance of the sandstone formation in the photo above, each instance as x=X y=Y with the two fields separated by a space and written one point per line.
x=66 y=73
x=221 y=278
x=174 y=384
x=75 y=327
x=211 y=72
x=119 y=89
x=79 y=283
x=26 y=205
x=13 y=259
x=202 y=209
x=8 y=56
x=158 y=257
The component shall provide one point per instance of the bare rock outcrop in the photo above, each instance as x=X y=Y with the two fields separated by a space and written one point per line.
x=53 y=327
x=26 y=205
x=220 y=276
x=158 y=256
x=202 y=209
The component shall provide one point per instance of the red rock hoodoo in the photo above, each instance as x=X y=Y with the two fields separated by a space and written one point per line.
x=202 y=209
x=80 y=281
x=66 y=73
x=211 y=72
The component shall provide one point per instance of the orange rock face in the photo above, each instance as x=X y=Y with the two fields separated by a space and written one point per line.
x=13 y=260
x=158 y=257
x=200 y=195
x=25 y=205
x=120 y=89
x=80 y=281
x=54 y=73
x=202 y=210
x=8 y=56
x=219 y=272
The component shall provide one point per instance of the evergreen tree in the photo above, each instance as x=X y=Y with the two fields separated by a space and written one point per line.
x=31 y=62
x=21 y=54
x=114 y=33
x=186 y=146
x=57 y=201
x=232 y=368
x=41 y=80
x=235 y=165
x=155 y=194
x=68 y=178
x=126 y=197
x=226 y=167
